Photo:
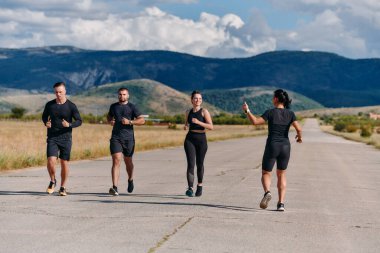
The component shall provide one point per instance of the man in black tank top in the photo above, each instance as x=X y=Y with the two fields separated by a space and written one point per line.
x=58 y=118
x=277 y=149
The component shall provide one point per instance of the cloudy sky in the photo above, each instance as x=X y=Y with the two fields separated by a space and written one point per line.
x=213 y=28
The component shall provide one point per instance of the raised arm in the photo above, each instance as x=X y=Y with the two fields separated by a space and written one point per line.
x=254 y=120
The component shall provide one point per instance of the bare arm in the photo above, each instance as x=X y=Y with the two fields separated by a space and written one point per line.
x=297 y=126
x=186 y=123
x=139 y=121
x=254 y=120
x=208 y=121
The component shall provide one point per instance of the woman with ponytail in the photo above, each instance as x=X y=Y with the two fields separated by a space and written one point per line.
x=197 y=120
x=277 y=149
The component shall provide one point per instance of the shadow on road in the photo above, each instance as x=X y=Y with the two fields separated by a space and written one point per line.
x=236 y=208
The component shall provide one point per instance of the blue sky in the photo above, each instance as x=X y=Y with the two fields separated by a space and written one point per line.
x=214 y=28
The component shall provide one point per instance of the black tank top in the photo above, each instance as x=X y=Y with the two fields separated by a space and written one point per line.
x=197 y=115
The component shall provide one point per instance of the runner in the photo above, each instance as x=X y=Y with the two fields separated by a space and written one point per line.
x=57 y=117
x=197 y=120
x=123 y=116
x=277 y=149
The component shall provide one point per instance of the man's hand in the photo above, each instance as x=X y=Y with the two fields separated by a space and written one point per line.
x=125 y=121
x=112 y=122
x=185 y=127
x=65 y=123
x=48 y=123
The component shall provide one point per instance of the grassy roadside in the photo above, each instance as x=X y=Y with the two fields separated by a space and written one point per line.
x=374 y=140
x=23 y=144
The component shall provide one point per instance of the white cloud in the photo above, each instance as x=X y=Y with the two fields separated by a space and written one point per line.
x=152 y=28
x=347 y=27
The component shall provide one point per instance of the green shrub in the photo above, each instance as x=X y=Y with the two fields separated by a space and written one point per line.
x=340 y=126
x=351 y=128
x=18 y=112
x=366 y=130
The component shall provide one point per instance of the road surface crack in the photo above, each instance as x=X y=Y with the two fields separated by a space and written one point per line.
x=168 y=236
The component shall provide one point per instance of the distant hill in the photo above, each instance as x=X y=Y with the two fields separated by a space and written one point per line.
x=329 y=79
x=259 y=99
x=151 y=98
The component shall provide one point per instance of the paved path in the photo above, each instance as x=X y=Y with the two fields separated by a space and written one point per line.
x=332 y=204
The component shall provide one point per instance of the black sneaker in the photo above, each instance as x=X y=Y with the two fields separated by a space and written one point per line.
x=113 y=191
x=198 y=193
x=189 y=192
x=280 y=207
x=130 y=186
x=62 y=191
x=265 y=201
x=51 y=186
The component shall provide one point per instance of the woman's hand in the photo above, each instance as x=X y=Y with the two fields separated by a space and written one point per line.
x=298 y=138
x=195 y=121
x=245 y=107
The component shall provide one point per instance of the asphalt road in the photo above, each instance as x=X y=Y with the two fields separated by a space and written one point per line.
x=332 y=203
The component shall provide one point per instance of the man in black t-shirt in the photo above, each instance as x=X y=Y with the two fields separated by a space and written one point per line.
x=123 y=115
x=58 y=117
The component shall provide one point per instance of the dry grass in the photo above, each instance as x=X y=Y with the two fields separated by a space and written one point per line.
x=23 y=144
x=373 y=140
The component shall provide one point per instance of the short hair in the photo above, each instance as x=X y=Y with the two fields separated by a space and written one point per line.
x=59 y=84
x=123 y=88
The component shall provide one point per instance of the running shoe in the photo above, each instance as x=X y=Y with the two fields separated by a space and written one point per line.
x=198 y=193
x=130 y=186
x=280 y=207
x=189 y=192
x=264 y=202
x=62 y=191
x=51 y=186
x=113 y=191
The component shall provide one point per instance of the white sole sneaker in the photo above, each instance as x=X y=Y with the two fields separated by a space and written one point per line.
x=265 y=201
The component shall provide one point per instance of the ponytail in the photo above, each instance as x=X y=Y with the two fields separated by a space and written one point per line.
x=283 y=98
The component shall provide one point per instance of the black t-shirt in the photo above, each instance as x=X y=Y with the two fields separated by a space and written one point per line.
x=279 y=121
x=57 y=112
x=118 y=112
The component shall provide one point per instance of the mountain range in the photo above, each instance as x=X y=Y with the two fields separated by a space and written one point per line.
x=153 y=97
x=329 y=79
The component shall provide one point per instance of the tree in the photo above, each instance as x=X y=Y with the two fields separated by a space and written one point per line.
x=18 y=112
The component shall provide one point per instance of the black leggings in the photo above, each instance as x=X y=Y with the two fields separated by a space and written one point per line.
x=195 y=148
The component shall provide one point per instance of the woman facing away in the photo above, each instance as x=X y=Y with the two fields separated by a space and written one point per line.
x=197 y=120
x=277 y=149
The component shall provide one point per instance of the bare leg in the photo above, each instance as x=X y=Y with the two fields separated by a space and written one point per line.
x=64 y=172
x=129 y=164
x=281 y=185
x=115 y=171
x=266 y=180
x=51 y=167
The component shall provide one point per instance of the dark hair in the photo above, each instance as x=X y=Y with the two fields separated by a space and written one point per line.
x=122 y=88
x=59 y=84
x=283 y=97
x=194 y=93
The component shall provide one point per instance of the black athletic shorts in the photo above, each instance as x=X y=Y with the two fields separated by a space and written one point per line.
x=59 y=145
x=127 y=147
x=276 y=152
